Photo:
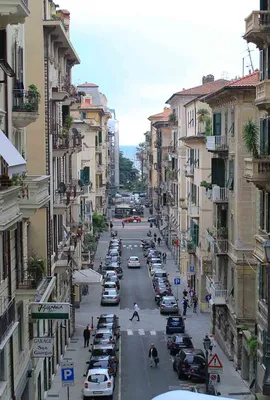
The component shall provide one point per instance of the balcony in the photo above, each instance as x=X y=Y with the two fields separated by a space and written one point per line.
x=217 y=144
x=34 y=288
x=259 y=252
x=7 y=319
x=13 y=12
x=219 y=194
x=75 y=143
x=257 y=171
x=257 y=27
x=99 y=148
x=86 y=259
x=262 y=99
x=99 y=191
x=61 y=203
x=189 y=171
x=36 y=194
x=25 y=108
x=215 y=289
x=9 y=207
x=217 y=242
x=193 y=211
x=189 y=245
x=60 y=143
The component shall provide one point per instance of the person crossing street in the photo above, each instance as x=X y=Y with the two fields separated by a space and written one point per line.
x=153 y=355
x=136 y=312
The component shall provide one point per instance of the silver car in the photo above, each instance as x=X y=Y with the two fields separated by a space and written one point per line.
x=168 y=305
x=110 y=296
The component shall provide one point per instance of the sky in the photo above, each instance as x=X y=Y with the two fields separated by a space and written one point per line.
x=140 y=53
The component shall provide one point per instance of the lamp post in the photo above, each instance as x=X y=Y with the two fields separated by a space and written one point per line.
x=266 y=379
x=206 y=345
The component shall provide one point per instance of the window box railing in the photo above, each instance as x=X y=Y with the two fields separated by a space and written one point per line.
x=25 y=101
x=7 y=319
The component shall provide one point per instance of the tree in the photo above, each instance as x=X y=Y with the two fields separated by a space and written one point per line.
x=128 y=174
x=251 y=138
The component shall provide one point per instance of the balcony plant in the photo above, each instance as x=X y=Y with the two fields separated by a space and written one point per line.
x=5 y=181
x=172 y=117
x=34 y=90
x=252 y=345
x=182 y=199
x=19 y=180
x=207 y=185
x=36 y=268
x=251 y=138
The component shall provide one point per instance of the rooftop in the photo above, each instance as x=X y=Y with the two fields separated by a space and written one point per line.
x=86 y=84
x=248 y=80
x=163 y=116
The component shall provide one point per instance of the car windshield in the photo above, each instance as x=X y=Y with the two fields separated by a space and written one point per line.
x=99 y=364
x=106 y=320
x=182 y=340
x=97 y=378
x=103 y=352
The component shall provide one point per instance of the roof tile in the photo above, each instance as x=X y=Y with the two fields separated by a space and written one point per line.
x=163 y=116
x=207 y=88
x=248 y=80
x=88 y=85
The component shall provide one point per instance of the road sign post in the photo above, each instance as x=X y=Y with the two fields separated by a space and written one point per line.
x=67 y=374
x=177 y=282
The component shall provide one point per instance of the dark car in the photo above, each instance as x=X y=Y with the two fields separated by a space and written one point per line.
x=109 y=321
x=179 y=341
x=190 y=363
x=151 y=219
x=103 y=350
x=103 y=362
x=175 y=324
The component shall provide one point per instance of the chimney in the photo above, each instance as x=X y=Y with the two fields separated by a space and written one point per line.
x=208 y=78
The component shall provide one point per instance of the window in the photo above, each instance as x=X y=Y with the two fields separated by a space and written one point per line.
x=232 y=121
x=263 y=282
x=232 y=282
x=192 y=117
x=191 y=157
x=261 y=65
x=218 y=172
x=83 y=115
x=226 y=122
x=193 y=193
x=262 y=210
x=6 y=253
x=217 y=124
x=20 y=326
x=100 y=137
x=230 y=182
x=265 y=136
x=194 y=232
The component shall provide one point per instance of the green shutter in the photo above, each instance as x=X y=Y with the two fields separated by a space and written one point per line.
x=100 y=137
x=196 y=235
x=260 y=283
x=262 y=208
x=217 y=124
x=264 y=345
x=261 y=65
x=218 y=172
x=263 y=5
x=85 y=175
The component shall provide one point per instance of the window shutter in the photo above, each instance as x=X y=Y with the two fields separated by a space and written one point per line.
x=85 y=175
x=196 y=234
x=191 y=161
x=260 y=283
x=266 y=63
x=263 y=5
x=268 y=214
x=230 y=182
x=261 y=66
x=100 y=137
x=217 y=124
x=218 y=172
x=264 y=345
x=198 y=162
x=262 y=208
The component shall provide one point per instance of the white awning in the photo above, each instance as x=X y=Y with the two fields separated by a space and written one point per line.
x=16 y=163
x=86 y=277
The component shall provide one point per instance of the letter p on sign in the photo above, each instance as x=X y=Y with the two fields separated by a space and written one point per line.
x=67 y=374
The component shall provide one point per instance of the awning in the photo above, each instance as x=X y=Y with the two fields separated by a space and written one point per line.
x=86 y=277
x=16 y=163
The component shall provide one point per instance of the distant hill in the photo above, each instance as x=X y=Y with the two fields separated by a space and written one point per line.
x=130 y=152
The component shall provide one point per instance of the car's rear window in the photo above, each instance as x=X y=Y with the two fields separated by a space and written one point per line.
x=103 y=352
x=134 y=259
x=111 y=292
x=169 y=302
x=97 y=378
x=175 y=321
x=183 y=340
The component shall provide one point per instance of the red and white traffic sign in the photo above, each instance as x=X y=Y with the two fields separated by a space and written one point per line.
x=213 y=378
x=214 y=365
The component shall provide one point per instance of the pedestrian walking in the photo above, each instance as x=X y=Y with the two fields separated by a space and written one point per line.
x=111 y=225
x=159 y=241
x=123 y=224
x=136 y=312
x=155 y=237
x=195 y=303
x=185 y=293
x=213 y=343
x=185 y=306
x=100 y=268
x=86 y=336
x=191 y=292
x=164 y=257
x=153 y=355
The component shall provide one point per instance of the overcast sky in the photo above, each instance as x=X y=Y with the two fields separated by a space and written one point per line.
x=140 y=53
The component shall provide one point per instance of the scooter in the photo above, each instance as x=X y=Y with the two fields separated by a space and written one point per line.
x=149 y=234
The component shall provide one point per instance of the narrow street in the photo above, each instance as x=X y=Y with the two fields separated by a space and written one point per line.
x=135 y=379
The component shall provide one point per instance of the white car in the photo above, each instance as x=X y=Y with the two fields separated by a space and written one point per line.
x=99 y=382
x=134 y=262
x=156 y=268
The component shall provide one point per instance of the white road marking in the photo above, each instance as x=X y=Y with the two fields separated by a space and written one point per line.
x=120 y=372
x=135 y=245
x=141 y=332
x=129 y=332
x=153 y=332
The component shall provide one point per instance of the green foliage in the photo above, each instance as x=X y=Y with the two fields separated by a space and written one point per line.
x=208 y=126
x=33 y=88
x=202 y=114
x=36 y=267
x=127 y=173
x=205 y=184
x=252 y=345
x=251 y=138
x=172 y=117
x=99 y=223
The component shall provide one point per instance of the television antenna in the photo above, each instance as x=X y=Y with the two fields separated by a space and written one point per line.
x=250 y=65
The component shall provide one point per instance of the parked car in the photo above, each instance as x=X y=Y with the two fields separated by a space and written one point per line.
x=115 y=268
x=113 y=278
x=98 y=382
x=133 y=262
x=106 y=362
x=190 y=363
x=160 y=274
x=103 y=336
x=175 y=324
x=114 y=252
x=179 y=341
x=101 y=350
x=110 y=321
x=109 y=297
x=116 y=247
x=168 y=305
x=110 y=285
x=155 y=268
x=154 y=260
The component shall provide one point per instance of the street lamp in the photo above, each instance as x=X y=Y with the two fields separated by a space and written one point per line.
x=266 y=379
x=206 y=345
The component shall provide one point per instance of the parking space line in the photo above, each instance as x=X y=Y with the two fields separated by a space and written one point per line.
x=141 y=332
x=129 y=332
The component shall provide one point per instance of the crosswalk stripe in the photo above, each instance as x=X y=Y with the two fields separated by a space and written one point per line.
x=129 y=332
x=141 y=332
x=135 y=245
x=153 y=332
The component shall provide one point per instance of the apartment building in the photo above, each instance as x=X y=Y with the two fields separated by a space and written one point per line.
x=113 y=152
x=94 y=111
x=178 y=215
x=154 y=142
x=196 y=206
x=53 y=145
x=230 y=236
x=256 y=171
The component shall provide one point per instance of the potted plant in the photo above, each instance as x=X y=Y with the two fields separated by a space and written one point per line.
x=172 y=117
x=207 y=185
x=251 y=138
x=36 y=268
x=33 y=90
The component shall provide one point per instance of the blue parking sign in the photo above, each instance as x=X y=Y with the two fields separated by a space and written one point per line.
x=177 y=281
x=191 y=268
x=67 y=373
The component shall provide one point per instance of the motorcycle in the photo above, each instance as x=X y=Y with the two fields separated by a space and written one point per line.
x=149 y=234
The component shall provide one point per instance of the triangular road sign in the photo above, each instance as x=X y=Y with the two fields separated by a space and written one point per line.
x=215 y=362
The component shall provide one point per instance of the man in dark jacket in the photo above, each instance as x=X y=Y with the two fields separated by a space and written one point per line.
x=153 y=355
x=86 y=336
